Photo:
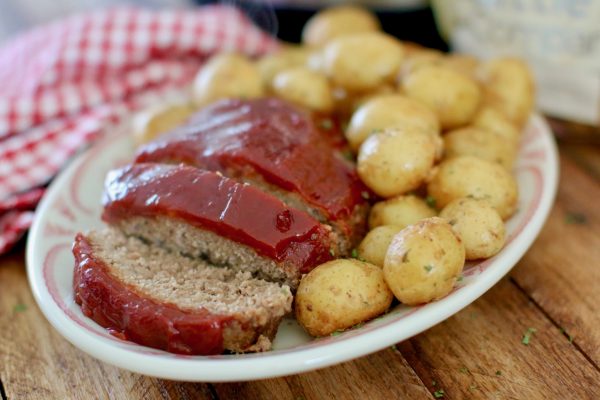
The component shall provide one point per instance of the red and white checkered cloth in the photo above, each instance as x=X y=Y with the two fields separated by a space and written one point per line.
x=64 y=83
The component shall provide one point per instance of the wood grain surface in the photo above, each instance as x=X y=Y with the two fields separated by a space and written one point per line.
x=476 y=354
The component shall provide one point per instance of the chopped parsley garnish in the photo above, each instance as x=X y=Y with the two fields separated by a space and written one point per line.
x=365 y=195
x=19 y=308
x=348 y=155
x=464 y=370
x=326 y=124
x=575 y=218
x=472 y=387
x=564 y=332
x=527 y=336
x=336 y=333
x=354 y=253
x=498 y=373
x=332 y=252
x=431 y=202
x=428 y=267
x=438 y=394
x=460 y=278
x=394 y=347
x=433 y=383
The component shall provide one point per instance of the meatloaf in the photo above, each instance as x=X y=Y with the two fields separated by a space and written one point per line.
x=274 y=146
x=164 y=300
x=206 y=215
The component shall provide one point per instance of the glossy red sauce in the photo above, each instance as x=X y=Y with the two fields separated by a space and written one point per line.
x=131 y=316
x=271 y=138
x=211 y=201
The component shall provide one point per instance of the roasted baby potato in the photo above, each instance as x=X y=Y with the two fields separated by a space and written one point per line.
x=362 y=61
x=396 y=161
x=453 y=96
x=400 y=211
x=339 y=294
x=374 y=246
x=227 y=75
x=289 y=57
x=494 y=121
x=338 y=21
x=469 y=176
x=478 y=225
x=150 y=123
x=391 y=111
x=487 y=145
x=305 y=88
x=423 y=261
x=509 y=87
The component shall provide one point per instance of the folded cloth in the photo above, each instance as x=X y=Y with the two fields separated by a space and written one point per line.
x=63 y=84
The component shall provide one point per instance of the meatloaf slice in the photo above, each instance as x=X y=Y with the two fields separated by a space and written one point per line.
x=167 y=301
x=270 y=143
x=204 y=214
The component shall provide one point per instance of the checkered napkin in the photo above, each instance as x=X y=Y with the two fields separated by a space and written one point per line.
x=63 y=84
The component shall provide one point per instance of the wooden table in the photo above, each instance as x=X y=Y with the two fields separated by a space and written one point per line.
x=476 y=354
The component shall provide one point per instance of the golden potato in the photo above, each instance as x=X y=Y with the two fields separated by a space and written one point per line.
x=391 y=111
x=418 y=58
x=305 y=88
x=374 y=246
x=227 y=75
x=453 y=96
x=509 y=87
x=149 y=124
x=487 y=145
x=339 y=294
x=469 y=176
x=362 y=61
x=400 y=211
x=493 y=120
x=274 y=63
x=423 y=261
x=477 y=224
x=339 y=21
x=396 y=161
x=462 y=63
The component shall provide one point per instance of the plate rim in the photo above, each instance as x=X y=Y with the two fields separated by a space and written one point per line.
x=270 y=365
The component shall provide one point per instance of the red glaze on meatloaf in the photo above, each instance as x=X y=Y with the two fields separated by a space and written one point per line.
x=210 y=201
x=131 y=316
x=271 y=138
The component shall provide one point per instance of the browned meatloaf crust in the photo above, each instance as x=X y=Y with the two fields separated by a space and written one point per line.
x=168 y=301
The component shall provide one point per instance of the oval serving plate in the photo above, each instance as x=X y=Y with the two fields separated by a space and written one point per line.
x=72 y=204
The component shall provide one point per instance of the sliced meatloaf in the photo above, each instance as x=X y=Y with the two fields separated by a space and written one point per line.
x=203 y=214
x=273 y=145
x=164 y=300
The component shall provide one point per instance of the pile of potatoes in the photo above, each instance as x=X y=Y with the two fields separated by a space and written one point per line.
x=434 y=135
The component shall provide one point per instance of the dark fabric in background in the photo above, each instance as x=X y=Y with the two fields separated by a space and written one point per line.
x=415 y=25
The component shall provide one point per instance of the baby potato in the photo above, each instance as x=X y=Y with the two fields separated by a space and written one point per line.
x=509 y=87
x=339 y=294
x=227 y=75
x=339 y=21
x=471 y=141
x=396 y=161
x=362 y=61
x=400 y=211
x=374 y=246
x=391 y=111
x=477 y=224
x=149 y=124
x=418 y=58
x=272 y=64
x=423 y=261
x=453 y=96
x=493 y=120
x=468 y=176
x=305 y=88
x=462 y=63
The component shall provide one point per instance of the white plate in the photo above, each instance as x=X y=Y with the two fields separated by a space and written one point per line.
x=72 y=204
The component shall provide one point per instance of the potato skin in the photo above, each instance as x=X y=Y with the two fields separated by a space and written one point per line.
x=339 y=21
x=227 y=75
x=423 y=261
x=305 y=88
x=396 y=161
x=492 y=120
x=272 y=64
x=400 y=211
x=478 y=225
x=339 y=294
x=453 y=96
x=374 y=246
x=390 y=111
x=362 y=61
x=509 y=87
x=151 y=123
x=469 y=176
x=480 y=143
